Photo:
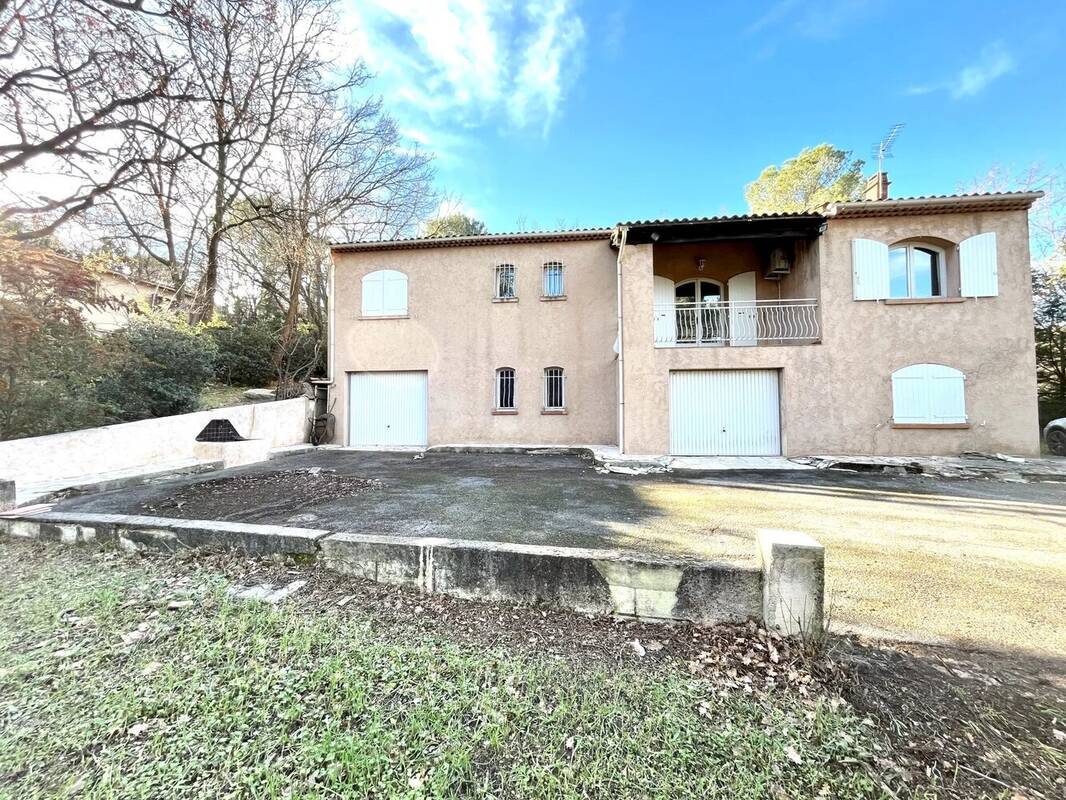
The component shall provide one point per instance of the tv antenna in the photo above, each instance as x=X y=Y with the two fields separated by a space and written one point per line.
x=883 y=149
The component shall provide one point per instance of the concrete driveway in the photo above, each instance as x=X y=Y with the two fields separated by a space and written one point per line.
x=978 y=562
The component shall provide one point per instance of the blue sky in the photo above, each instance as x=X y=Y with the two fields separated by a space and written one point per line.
x=549 y=113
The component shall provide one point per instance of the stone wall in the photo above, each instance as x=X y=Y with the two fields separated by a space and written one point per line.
x=148 y=443
x=786 y=590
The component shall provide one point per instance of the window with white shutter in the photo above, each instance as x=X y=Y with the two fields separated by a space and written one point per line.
x=870 y=273
x=916 y=270
x=384 y=294
x=978 y=268
x=928 y=394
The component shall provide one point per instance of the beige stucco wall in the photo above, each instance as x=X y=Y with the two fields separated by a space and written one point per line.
x=647 y=368
x=990 y=339
x=836 y=395
x=456 y=333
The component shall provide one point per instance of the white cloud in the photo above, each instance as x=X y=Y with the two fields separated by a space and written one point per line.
x=538 y=82
x=994 y=62
x=464 y=63
x=820 y=21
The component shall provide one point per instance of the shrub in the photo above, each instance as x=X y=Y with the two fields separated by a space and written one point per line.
x=163 y=371
x=244 y=344
x=49 y=359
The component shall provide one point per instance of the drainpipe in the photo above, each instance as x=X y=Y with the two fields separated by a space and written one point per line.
x=621 y=348
x=331 y=335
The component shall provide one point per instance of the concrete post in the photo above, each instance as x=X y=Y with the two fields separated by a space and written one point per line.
x=7 y=495
x=793 y=582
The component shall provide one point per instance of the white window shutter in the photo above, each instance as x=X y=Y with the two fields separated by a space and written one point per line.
x=384 y=293
x=665 y=316
x=910 y=401
x=947 y=394
x=978 y=267
x=373 y=294
x=395 y=293
x=869 y=263
x=928 y=394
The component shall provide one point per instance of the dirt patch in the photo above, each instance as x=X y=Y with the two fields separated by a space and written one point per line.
x=977 y=723
x=286 y=490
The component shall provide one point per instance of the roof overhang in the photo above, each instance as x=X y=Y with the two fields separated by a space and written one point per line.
x=532 y=237
x=753 y=226
x=943 y=204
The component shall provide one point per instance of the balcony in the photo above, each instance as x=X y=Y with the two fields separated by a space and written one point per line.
x=742 y=323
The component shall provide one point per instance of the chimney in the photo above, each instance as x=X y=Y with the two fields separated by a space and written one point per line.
x=876 y=187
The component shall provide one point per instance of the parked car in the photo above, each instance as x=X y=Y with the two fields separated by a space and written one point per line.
x=1055 y=436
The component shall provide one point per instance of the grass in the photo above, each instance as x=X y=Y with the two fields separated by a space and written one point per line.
x=220 y=395
x=236 y=699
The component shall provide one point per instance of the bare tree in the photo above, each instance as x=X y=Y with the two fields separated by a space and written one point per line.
x=160 y=218
x=253 y=62
x=76 y=76
x=340 y=170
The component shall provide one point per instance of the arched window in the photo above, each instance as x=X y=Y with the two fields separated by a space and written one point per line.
x=553 y=279
x=554 y=389
x=697 y=316
x=928 y=394
x=505 y=389
x=916 y=270
x=384 y=294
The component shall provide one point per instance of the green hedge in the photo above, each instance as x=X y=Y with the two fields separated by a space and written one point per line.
x=160 y=371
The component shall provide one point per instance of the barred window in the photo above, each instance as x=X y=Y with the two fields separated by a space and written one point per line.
x=505 y=282
x=554 y=389
x=553 y=279
x=505 y=388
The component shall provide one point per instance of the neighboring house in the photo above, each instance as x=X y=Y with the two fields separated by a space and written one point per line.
x=121 y=296
x=900 y=326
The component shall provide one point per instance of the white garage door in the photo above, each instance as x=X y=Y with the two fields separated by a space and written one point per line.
x=387 y=409
x=727 y=412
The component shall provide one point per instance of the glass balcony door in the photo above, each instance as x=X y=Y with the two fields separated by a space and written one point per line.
x=698 y=319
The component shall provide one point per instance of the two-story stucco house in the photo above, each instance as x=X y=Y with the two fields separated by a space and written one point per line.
x=886 y=326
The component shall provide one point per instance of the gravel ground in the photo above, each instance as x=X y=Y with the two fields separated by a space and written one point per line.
x=973 y=562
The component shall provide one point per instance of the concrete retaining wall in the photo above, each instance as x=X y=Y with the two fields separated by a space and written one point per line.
x=585 y=580
x=150 y=442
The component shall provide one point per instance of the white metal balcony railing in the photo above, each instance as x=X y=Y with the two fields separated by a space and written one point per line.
x=736 y=323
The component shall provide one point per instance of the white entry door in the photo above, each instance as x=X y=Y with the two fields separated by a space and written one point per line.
x=725 y=412
x=388 y=409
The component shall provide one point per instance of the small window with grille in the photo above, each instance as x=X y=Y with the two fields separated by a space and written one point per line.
x=553 y=279
x=505 y=389
x=505 y=282
x=554 y=389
